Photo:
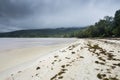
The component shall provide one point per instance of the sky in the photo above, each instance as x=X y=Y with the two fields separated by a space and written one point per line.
x=37 y=14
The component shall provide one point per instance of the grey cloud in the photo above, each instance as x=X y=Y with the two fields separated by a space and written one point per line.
x=30 y=14
x=12 y=8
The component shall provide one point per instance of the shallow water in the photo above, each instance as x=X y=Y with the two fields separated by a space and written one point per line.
x=12 y=43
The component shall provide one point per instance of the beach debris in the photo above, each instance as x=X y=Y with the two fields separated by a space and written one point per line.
x=37 y=68
x=73 y=52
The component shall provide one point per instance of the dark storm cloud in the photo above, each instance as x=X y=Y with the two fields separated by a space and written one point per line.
x=30 y=14
x=14 y=8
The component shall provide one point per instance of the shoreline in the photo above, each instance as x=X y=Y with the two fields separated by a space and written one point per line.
x=13 y=67
x=73 y=61
x=31 y=53
x=31 y=49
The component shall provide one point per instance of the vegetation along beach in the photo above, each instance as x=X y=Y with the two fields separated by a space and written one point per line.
x=59 y=39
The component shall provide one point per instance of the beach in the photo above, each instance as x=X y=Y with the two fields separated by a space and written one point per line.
x=16 y=51
x=77 y=59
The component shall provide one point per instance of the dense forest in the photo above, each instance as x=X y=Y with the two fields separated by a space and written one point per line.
x=57 y=32
x=106 y=27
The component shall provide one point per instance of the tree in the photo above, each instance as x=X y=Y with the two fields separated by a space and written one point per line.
x=116 y=30
x=117 y=18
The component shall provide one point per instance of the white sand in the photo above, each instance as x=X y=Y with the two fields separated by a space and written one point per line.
x=82 y=60
x=15 y=51
x=14 y=57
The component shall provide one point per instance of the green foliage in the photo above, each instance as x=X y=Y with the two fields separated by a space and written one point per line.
x=117 y=18
x=58 y=32
x=116 y=30
x=107 y=27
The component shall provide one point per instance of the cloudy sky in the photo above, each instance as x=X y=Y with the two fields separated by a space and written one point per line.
x=35 y=14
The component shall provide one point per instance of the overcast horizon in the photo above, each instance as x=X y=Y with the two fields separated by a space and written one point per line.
x=37 y=14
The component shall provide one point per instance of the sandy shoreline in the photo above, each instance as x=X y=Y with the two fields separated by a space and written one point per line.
x=20 y=61
x=78 y=61
x=23 y=55
x=14 y=51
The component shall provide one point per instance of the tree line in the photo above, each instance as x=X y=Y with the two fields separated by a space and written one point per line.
x=106 y=27
x=57 y=32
